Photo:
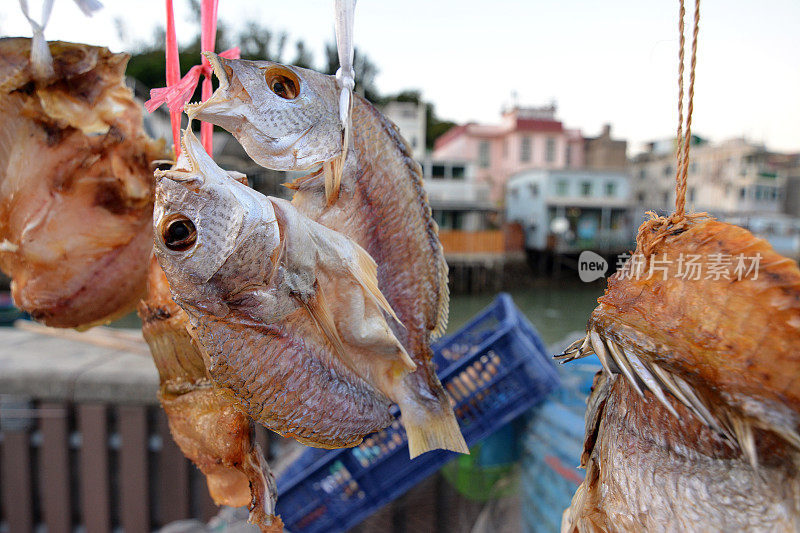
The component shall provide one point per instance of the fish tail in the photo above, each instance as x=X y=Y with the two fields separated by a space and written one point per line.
x=428 y=418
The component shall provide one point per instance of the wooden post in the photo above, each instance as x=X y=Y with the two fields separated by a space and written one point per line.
x=135 y=511
x=54 y=468
x=173 y=477
x=94 y=484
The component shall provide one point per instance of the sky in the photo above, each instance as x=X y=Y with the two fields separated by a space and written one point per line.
x=602 y=61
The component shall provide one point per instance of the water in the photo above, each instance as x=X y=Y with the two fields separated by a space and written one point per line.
x=555 y=309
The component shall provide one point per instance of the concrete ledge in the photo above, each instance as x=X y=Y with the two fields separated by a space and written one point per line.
x=100 y=365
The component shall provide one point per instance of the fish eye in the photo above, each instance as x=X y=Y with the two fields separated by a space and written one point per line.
x=283 y=82
x=178 y=233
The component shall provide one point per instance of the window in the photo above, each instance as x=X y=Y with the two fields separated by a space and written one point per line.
x=437 y=172
x=534 y=189
x=447 y=219
x=611 y=188
x=586 y=188
x=668 y=170
x=642 y=174
x=550 y=150
x=525 y=150
x=459 y=172
x=561 y=187
x=742 y=193
x=483 y=154
x=640 y=197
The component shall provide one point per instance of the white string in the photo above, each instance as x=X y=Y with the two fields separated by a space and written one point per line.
x=345 y=12
x=41 y=60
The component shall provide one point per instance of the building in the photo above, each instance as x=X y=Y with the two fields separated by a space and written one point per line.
x=567 y=210
x=732 y=178
x=457 y=199
x=410 y=120
x=605 y=153
x=526 y=138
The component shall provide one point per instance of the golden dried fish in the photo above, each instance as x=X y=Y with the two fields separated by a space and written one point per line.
x=702 y=432
x=75 y=185
x=288 y=310
x=210 y=430
x=288 y=118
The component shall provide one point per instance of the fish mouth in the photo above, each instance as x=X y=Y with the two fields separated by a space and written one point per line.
x=192 y=109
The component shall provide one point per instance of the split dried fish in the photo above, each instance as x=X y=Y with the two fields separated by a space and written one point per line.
x=288 y=118
x=75 y=185
x=702 y=432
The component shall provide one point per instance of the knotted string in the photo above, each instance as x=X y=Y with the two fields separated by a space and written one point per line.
x=656 y=229
x=684 y=140
x=345 y=76
x=41 y=60
x=177 y=93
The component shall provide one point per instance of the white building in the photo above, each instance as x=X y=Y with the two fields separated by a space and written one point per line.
x=457 y=199
x=732 y=178
x=571 y=210
x=410 y=119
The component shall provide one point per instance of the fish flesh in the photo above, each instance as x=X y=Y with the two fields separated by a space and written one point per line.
x=288 y=310
x=693 y=424
x=287 y=118
x=75 y=185
x=210 y=430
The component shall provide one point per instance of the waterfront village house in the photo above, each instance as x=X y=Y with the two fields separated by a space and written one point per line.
x=566 y=211
x=409 y=117
x=457 y=199
x=736 y=180
x=527 y=137
x=732 y=178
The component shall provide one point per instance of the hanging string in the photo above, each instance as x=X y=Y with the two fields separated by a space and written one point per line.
x=41 y=60
x=173 y=75
x=178 y=93
x=345 y=76
x=658 y=229
x=684 y=140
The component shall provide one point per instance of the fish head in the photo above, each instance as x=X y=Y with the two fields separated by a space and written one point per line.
x=213 y=234
x=285 y=117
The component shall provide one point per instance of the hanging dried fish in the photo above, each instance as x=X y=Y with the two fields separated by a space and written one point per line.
x=701 y=431
x=209 y=429
x=288 y=310
x=288 y=118
x=75 y=185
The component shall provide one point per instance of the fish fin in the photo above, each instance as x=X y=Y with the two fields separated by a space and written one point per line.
x=365 y=271
x=319 y=310
x=430 y=425
x=333 y=178
x=309 y=181
x=577 y=350
x=443 y=308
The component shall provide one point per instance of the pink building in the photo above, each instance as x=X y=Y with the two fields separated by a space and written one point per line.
x=526 y=138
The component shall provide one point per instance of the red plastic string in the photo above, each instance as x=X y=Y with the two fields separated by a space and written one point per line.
x=177 y=93
x=208 y=37
x=173 y=74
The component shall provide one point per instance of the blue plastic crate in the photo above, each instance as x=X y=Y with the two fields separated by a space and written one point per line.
x=494 y=369
x=552 y=447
